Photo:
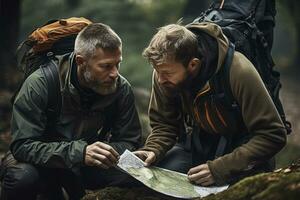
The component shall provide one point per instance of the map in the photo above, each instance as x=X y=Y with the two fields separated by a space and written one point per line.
x=168 y=182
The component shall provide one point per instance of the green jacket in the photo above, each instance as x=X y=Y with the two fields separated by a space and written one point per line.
x=63 y=145
x=259 y=117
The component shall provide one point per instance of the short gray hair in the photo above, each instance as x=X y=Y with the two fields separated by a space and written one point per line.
x=96 y=35
x=173 y=41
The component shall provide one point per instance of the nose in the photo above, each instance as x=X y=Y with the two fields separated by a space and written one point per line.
x=161 y=79
x=114 y=72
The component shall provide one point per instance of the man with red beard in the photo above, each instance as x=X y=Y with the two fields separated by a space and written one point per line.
x=98 y=121
x=186 y=108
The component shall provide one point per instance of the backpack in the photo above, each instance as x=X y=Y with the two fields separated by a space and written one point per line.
x=249 y=27
x=56 y=37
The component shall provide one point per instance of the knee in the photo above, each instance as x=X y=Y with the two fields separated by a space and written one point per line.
x=20 y=177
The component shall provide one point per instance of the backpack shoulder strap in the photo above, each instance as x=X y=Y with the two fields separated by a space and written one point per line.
x=221 y=85
x=226 y=72
x=51 y=74
x=224 y=92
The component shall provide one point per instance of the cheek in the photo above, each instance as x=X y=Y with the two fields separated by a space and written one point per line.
x=179 y=77
x=99 y=74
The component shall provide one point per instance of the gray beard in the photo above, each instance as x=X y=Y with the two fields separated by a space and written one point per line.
x=97 y=87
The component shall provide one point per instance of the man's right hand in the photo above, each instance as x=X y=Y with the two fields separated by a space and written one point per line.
x=147 y=156
x=101 y=155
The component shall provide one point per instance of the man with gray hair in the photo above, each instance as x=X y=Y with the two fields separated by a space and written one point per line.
x=98 y=121
x=191 y=121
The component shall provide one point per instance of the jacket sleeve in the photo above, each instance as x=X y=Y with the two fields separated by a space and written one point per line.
x=28 y=129
x=126 y=129
x=165 y=120
x=268 y=135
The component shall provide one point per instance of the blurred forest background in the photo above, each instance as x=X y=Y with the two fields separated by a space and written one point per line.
x=136 y=21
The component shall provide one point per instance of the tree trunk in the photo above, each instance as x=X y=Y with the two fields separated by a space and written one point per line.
x=9 y=22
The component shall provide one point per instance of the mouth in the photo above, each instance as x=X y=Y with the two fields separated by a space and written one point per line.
x=108 y=83
x=168 y=85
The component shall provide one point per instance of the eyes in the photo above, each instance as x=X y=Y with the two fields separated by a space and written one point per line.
x=109 y=66
x=166 y=74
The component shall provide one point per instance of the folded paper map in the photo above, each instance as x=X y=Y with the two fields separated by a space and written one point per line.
x=165 y=181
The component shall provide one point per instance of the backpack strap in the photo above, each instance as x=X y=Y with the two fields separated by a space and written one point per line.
x=221 y=85
x=226 y=72
x=224 y=91
x=51 y=74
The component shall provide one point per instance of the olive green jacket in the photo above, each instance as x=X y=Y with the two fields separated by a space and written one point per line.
x=63 y=145
x=258 y=114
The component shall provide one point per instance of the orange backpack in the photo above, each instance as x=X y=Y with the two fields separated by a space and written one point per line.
x=55 y=37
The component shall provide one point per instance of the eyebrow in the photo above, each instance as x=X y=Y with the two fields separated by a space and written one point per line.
x=162 y=68
x=109 y=62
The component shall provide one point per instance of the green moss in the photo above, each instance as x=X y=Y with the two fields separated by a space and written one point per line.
x=115 y=193
x=267 y=186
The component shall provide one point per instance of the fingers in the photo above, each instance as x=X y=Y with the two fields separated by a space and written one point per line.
x=103 y=159
x=201 y=175
x=108 y=148
x=98 y=163
x=147 y=156
x=150 y=159
x=208 y=183
x=196 y=169
x=106 y=154
x=197 y=176
x=101 y=155
x=203 y=180
x=141 y=154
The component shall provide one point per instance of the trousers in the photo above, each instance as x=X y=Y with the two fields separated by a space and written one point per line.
x=26 y=181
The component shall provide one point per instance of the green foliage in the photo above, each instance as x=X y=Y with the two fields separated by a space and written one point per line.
x=284 y=51
x=135 y=21
x=159 y=13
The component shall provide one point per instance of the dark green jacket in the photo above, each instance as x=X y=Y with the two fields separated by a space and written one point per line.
x=112 y=119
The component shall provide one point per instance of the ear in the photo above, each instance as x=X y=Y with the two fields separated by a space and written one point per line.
x=80 y=60
x=194 y=65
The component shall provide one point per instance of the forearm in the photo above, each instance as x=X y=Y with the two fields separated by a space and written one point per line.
x=246 y=158
x=52 y=154
x=162 y=138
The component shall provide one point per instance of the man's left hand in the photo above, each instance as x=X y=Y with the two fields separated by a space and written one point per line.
x=201 y=175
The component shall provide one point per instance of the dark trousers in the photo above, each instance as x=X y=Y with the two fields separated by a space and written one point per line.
x=25 y=181
x=179 y=159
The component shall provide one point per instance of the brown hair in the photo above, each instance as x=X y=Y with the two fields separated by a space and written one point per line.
x=173 y=41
